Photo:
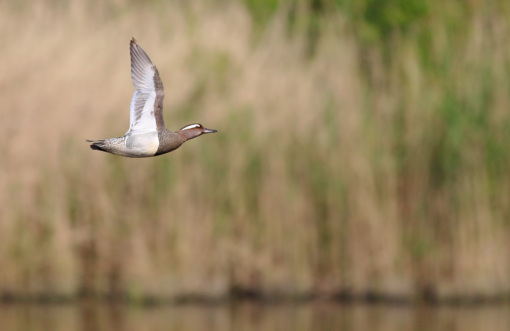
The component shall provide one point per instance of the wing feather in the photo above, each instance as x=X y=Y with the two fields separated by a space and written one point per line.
x=146 y=113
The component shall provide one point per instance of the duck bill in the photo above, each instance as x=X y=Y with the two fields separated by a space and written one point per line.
x=209 y=131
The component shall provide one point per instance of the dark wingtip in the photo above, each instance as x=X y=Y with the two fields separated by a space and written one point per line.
x=133 y=41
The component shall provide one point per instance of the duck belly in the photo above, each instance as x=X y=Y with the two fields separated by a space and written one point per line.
x=142 y=145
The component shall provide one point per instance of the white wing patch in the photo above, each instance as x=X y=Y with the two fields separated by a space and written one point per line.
x=142 y=118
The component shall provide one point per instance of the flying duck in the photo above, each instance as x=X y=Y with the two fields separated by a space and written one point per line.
x=147 y=135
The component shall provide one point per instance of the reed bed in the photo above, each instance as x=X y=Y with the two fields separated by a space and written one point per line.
x=346 y=164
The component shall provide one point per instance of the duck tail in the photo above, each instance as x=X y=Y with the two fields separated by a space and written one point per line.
x=97 y=145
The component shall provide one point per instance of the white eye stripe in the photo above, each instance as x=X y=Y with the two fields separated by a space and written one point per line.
x=191 y=126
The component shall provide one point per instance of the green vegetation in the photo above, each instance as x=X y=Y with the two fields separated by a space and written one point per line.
x=362 y=149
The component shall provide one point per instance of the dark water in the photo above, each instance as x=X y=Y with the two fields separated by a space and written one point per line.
x=244 y=316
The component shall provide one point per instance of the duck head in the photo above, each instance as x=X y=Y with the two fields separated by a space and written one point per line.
x=194 y=130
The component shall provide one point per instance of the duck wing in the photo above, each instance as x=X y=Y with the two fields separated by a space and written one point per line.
x=146 y=113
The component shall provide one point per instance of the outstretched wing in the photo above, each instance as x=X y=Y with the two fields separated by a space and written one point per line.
x=147 y=104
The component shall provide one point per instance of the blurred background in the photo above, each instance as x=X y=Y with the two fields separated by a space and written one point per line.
x=362 y=151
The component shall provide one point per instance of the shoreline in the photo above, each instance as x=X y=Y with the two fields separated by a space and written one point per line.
x=259 y=298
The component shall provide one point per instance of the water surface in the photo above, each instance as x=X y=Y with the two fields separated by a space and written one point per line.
x=249 y=316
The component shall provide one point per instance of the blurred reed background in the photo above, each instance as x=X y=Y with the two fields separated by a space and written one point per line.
x=362 y=150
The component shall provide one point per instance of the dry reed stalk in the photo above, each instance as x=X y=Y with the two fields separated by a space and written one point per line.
x=332 y=172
